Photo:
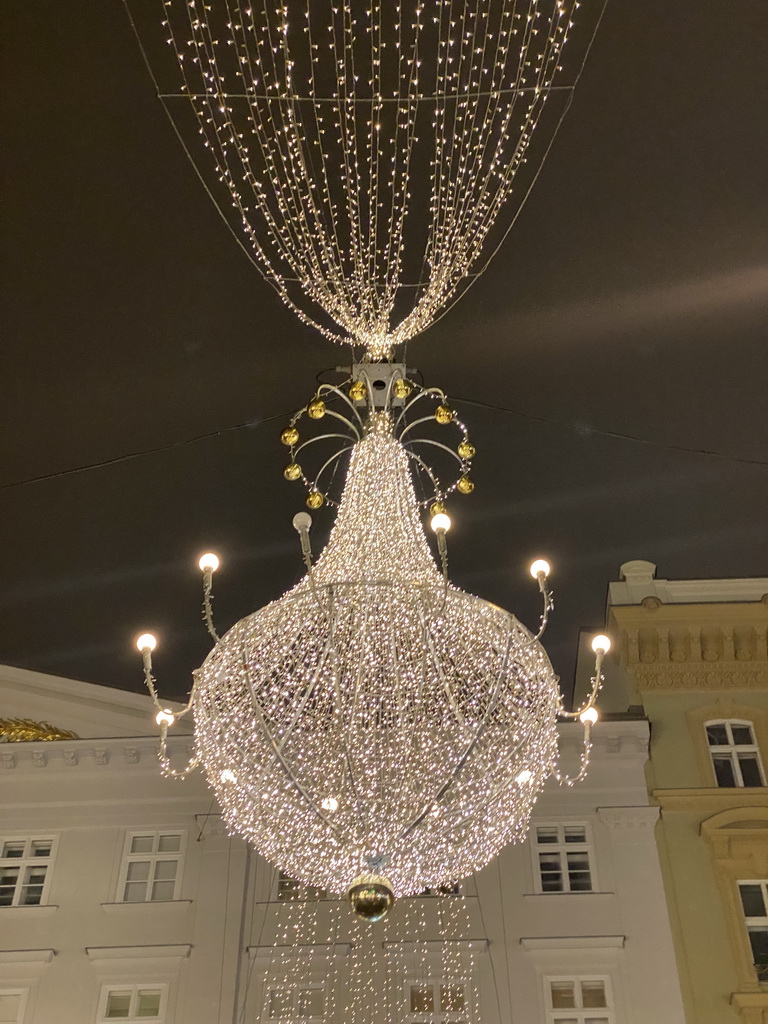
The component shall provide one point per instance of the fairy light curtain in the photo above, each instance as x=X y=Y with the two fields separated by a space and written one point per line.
x=369 y=148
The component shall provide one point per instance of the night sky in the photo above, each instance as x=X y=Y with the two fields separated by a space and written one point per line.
x=630 y=299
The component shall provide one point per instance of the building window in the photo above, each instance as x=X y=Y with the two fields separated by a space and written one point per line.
x=431 y=1001
x=130 y=1003
x=563 y=858
x=289 y=889
x=297 y=1004
x=734 y=753
x=579 y=1001
x=25 y=870
x=151 y=867
x=12 y=1004
x=754 y=903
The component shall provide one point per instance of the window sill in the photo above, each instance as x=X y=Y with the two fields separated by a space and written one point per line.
x=31 y=912
x=126 y=908
x=565 y=895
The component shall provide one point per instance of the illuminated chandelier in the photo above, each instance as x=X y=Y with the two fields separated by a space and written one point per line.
x=377 y=727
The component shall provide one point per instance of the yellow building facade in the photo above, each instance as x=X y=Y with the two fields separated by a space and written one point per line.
x=694 y=655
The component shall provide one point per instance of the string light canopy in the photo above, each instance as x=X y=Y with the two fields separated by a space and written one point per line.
x=377 y=729
x=373 y=152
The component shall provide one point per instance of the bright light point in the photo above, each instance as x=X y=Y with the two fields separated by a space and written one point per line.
x=146 y=642
x=209 y=561
x=601 y=644
x=525 y=776
x=589 y=716
x=165 y=717
x=302 y=521
x=441 y=523
x=540 y=566
x=330 y=804
x=228 y=775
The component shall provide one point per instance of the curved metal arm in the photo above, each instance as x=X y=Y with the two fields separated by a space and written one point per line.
x=549 y=604
x=208 y=604
x=597 y=682
x=571 y=780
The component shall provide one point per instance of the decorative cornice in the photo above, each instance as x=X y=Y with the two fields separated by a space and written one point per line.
x=629 y=824
x=700 y=677
x=710 y=800
x=25 y=730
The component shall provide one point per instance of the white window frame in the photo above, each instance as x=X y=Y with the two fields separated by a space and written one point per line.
x=562 y=848
x=756 y=923
x=299 y=893
x=28 y=861
x=733 y=750
x=133 y=988
x=15 y=991
x=292 y=986
x=438 y=1016
x=154 y=858
x=556 y=1014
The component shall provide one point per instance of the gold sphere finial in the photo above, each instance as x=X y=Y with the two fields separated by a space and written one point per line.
x=292 y=471
x=467 y=450
x=316 y=409
x=465 y=485
x=443 y=414
x=289 y=436
x=402 y=388
x=315 y=499
x=371 y=897
x=357 y=391
x=436 y=508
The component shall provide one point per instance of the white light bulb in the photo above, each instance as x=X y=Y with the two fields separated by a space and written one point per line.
x=589 y=716
x=540 y=566
x=441 y=523
x=601 y=643
x=228 y=775
x=166 y=716
x=330 y=804
x=146 y=642
x=525 y=776
x=302 y=521
x=209 y=561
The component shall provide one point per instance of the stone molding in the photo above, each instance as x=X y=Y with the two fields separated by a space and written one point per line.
x=630 y=824
x=704 y=677
x=100 y=954
x=26 y=957
x=312 y=950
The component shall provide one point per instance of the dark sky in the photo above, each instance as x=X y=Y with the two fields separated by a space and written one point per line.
x=630 y=298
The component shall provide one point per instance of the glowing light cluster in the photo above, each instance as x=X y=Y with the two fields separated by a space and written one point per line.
x=376 y=717
x=331 y=121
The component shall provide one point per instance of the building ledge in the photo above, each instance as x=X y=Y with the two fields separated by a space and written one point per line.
x=126 y=908
x=317 y=949
x=750 y=1000
x=99 y=954
x=560 y=942
x=711 y=798
x=31 y=913
x=571 y=897
x=26 y=956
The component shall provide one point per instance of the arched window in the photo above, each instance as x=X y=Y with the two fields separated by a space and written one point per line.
x=734 y=752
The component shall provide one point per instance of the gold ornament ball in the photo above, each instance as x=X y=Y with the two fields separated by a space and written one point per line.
x=315 y=499
x=443 y=414
x=292 y=471
x=357 y=391
x=436 y=508
x=371 y=897
x=465 y=485
x=467 y=450
x=402 y=388
x=289 y=436
x=316 y=409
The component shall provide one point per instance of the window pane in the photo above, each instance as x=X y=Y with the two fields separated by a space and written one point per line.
x=593 y=994
x=580 y=881
x=551 y=872
x=596 y=1020
x=750 y=771
x=148 y=1002
x=169 y=844
x=42 y=847
x=10 y=1004
x=565 y=1020
x=575 y=834
x=422 y=999
x=723 y=770
x=752 y=900
x=758 y=938
x=142 y=844
x=166 y=869
x=717 y=735
x=163 y=890
x=309 y=1002
x=451 y=998
x=546 y=834
x=14 y=849
x=563 y=994
x=280 y=1002
x=138 y=871
x=118 y=1005
x=8 y=879
x=742 y=735
x=135 y=892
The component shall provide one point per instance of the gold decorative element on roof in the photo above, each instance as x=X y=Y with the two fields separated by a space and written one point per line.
x=26 y=730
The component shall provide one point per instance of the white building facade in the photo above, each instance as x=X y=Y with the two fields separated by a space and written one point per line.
x=122 y=898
